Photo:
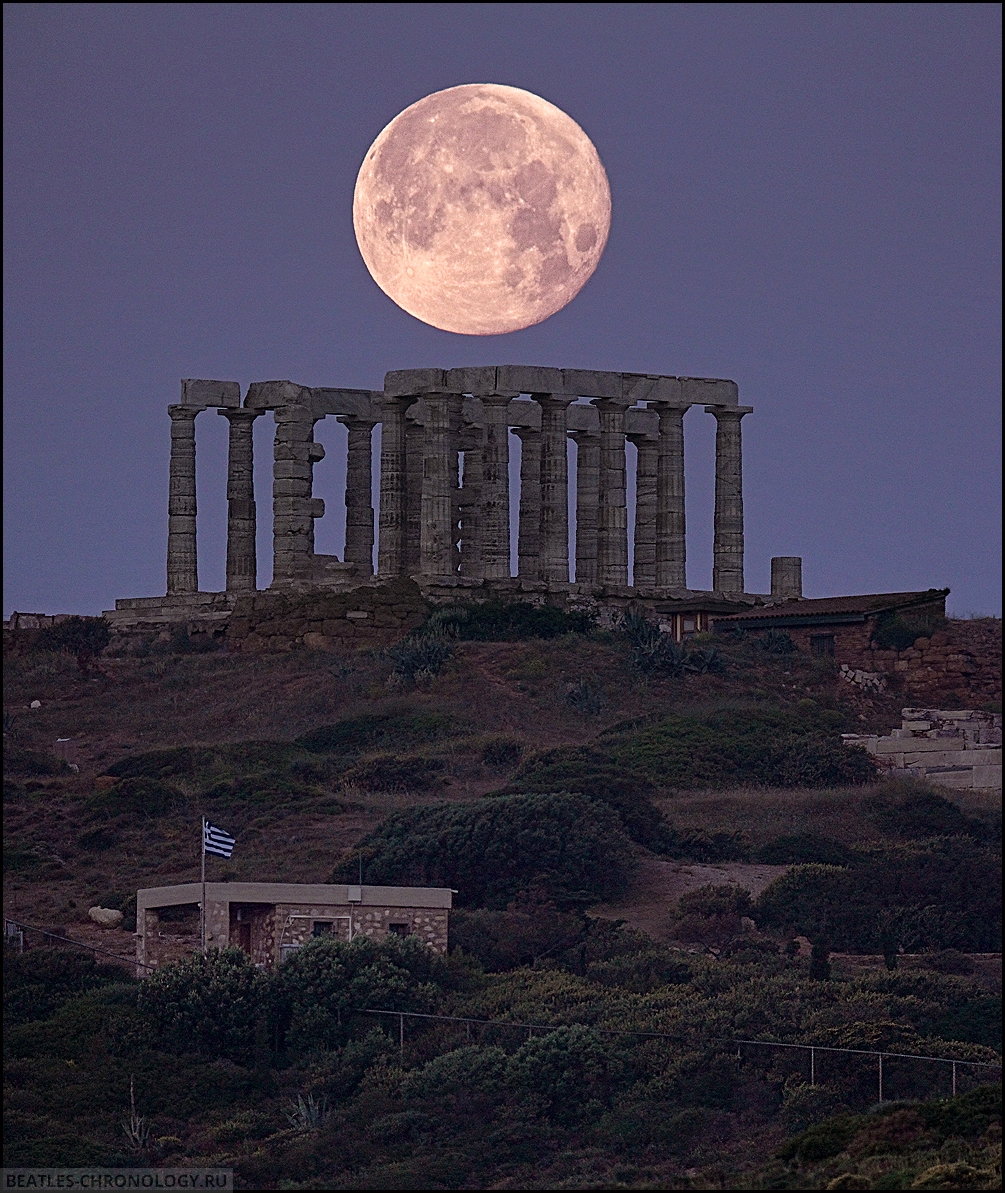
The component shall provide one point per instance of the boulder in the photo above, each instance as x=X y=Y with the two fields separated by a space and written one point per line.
x=107 y=917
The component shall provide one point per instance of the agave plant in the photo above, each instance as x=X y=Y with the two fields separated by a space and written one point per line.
x=307 y=1114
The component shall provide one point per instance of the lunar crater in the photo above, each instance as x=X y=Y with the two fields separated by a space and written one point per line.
x=482 y=209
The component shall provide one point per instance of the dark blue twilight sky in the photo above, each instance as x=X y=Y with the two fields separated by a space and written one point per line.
x=806 y=199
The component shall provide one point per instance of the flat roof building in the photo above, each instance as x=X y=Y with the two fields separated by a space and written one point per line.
x=269 y=920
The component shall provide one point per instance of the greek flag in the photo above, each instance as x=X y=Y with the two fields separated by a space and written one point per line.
x=215 y=840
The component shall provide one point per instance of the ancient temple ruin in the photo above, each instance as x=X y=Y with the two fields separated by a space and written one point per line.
x=444 y=484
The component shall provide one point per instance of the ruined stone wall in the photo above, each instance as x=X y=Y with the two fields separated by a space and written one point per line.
x=370 y=615
x=959 y=748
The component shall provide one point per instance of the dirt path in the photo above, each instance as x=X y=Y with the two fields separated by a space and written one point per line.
x=661 y=883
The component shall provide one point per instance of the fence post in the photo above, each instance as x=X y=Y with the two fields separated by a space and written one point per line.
x=401 y=1034
x=813 y=1066
x=954 y=1079
x=881 y=1077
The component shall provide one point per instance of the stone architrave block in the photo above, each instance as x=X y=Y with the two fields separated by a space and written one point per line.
x=476 y=380
x=647 y=387
x=710 y=390
x=528 y=379
x=210 y=393
x=272 y=395
x=954 y=758
x=354 y=403
x=407 y=383
x=914 y=745
x=987 y=776
x=588 y=383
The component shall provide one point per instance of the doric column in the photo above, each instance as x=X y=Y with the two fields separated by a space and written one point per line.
x=587 y=489
x=242 y=562
x=294 y=508
x=647 y=457
x=439 y=484
x=469 y=497
x=671 y=548
x=612 y=507
x=182 y=561
x=413 y=496
x=495 y=487
x=391 y=545
x=359 y=494
x=529 y=535
x=727 y=563
x=553 y=548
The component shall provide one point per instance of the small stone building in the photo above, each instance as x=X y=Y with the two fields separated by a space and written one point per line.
x=843 y=628
x=269 y=920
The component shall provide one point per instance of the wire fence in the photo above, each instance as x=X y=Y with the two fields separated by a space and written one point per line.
x=813 y=1053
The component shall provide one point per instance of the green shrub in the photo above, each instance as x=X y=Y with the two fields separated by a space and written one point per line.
x=17 y=761
x=899 y=631
x=377 y=731
x=700 y=845
x=803 y=848
x=77 y=635
x=716 y=900
x=313 y=992
x=742 y=746
x=919 y=814
x=208 y=1003
x=570 y=846
x=776 y=642
x=571 y=1073
x=261 y=790
x=586 y=772
x=420 y=656
x=950 y=961
x=507 y=621
x=142 y=797
x=654 y=651
x=530 y=929
x=177 y=762
x=37 y=982
x=502 y=751
x=937 y=895
x=389 y=772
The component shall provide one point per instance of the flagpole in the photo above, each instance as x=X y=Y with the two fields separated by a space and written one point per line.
x=202 y=918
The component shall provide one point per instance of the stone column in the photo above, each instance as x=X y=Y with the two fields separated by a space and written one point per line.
x=727 y=565
x=587 y=489
x=787 y=576
x=495 y=487
x=182 y=561
x=469 y=497
x=359 y=494
x=414 y=432
x=612 y=507
x=529 y=535
x=294 y=508
x=391 y=545
x=242 y=560
x=553 y=545
x=647 y=457
x=671 y=550
x=439 y=484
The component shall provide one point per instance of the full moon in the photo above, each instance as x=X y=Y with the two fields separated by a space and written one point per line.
x=482 y=209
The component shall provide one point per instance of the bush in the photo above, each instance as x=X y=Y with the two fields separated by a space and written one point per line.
x=36 y=983
x=939 y=895
x=77 y=635
x=698 y=845
x=502 y=751
x=950 y=961
x=899 y=631
x=142 y=797
x=178 y=762
x=571 y=1073
x=507 y=621
x=921 y=814
x=572 y=847
x=32 y=762
x=776 y=642
x=654 y=651
x=262 y=791
x=209 y=1003
x=716 y=900
x=587 y=772
x=802 y=848
x=374 y=731
x=741 y=746
x=314 y=991
x=532 y=927
x=388 y=772
x=420 y=657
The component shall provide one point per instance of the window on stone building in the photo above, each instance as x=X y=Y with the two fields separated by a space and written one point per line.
x=323 y=927
x=399 y=929
x=822 y=644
